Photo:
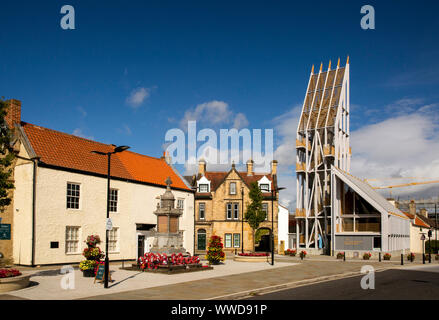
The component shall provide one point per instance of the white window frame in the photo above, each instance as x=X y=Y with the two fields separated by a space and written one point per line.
x=264 y=187
x=226 y=239
x=239 y=240
x=114 y=203
x=202 y=204
x=229 y=211
x=232 y=190
x=265 y=205
x=113 y=239
x=73 y=196
x=235 y=211
x=73 y=238
x=180 y=201
x=203 y=185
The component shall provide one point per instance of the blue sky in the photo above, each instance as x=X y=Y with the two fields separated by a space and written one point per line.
x=255 y=56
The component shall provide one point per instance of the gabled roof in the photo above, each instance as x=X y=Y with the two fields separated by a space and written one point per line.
x=216 y=178
x=420 y=223
x=368 y=193
x=67 y=151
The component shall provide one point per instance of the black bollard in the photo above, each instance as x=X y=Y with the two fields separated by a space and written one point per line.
x=429 y=258
x=402 y=259
x=423 y=258
x=379 y=256
x=344 y=256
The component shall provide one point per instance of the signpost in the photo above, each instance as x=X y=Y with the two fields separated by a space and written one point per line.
x=100 y=273
x=423 y=248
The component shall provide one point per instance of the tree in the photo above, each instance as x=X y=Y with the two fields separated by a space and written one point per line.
x=254 y=214
x=6 y=158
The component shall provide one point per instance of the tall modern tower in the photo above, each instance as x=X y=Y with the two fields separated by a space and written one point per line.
x=322 y=141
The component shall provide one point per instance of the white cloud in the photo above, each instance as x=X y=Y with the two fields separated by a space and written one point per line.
x=214 y=113
x=138 y=96
x=78 y=132
x=240 y=121
x=405 y=145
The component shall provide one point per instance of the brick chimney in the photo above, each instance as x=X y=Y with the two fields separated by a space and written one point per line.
x=274 y=167
x=13 y=115
x=250 y=167
x=423 y=212
x=202 y=167
x=412 y=207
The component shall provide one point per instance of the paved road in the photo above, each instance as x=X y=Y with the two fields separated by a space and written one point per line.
x=408 y=283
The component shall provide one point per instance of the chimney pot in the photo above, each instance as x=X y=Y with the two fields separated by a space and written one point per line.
x=202 y=167
x=250 y=167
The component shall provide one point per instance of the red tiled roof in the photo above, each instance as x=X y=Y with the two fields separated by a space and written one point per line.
x=420 y=223
x=68 y=151
x=409 y=215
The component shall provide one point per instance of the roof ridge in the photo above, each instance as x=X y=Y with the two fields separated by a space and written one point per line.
x=65 y=133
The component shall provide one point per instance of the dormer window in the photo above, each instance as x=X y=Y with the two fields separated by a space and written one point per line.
x=264 y=184
x=203 y=185
x=203 y=188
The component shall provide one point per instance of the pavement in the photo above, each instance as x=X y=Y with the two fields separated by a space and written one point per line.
x=231 y=280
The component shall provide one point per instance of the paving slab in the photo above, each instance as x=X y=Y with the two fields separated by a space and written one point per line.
x=48 y=283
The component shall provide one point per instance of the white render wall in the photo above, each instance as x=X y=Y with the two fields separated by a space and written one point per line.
x=22 y=226
x=283 y=226
x=136 y=203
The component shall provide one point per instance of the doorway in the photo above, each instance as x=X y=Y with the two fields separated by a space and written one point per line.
x=201 y=240
x=140 y=245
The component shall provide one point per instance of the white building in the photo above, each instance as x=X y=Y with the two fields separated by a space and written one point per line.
x=283 y=225
x=60 y=198
x=363 y=220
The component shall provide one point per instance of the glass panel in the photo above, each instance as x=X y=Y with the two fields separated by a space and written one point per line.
x=228 y=241
x=348 y=224
x=368 y=224
x=236 y=240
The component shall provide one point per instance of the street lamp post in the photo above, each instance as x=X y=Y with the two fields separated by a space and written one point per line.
x=273 y=190
x=108 y=154
x=242 y=219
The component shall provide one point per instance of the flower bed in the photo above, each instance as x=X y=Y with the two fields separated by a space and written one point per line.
x=7 y=273
x=290 y=252
x=12 y=279
x=340 y=255
x=387 y=256
x=254 y=254
x=367 y=255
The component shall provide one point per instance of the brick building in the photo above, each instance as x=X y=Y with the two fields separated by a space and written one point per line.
x=220 y=200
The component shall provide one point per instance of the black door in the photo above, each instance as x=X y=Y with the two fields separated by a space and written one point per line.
x=140 y=246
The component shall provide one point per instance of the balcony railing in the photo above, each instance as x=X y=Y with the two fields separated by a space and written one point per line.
x=302 y=144
x=300 y=213
x=329 y=151
x=300 y=166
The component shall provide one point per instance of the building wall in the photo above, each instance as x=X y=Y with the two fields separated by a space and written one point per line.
x=22 y=227
x=283 y=227
x=416 y=244
x=216 y=222
x=136 y=204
